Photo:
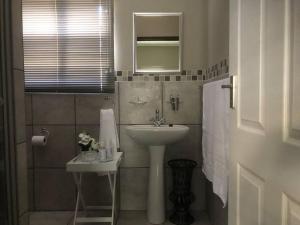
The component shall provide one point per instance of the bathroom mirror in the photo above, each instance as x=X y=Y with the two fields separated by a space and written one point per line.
x=157 y=42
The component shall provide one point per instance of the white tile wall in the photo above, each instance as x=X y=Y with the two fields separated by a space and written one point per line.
x=190 y=96
x=189 y=148
x=148 y=92
x=135 y=155
x=133 y=185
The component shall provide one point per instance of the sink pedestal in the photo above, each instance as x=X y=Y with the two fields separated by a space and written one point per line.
x=156 y=138
x=156 y=201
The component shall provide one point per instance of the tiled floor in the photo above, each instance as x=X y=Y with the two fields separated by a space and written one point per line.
x=140 y=218
x=126 y=218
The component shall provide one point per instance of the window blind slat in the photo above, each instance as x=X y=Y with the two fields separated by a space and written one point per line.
x=68 y=45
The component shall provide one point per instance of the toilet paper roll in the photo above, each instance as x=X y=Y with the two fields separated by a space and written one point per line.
x=39 y=140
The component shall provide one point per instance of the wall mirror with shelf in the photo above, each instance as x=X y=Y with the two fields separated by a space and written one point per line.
x=157 y=42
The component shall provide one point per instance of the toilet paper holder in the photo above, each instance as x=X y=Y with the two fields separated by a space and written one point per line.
x=45 y=132
x=40 y=140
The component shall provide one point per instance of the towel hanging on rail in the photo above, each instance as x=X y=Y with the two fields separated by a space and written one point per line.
x=215 y=136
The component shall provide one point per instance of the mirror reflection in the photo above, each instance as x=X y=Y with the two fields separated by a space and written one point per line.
x=157 y=42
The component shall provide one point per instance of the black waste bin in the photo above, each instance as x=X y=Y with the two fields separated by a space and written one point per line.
x=181 y=195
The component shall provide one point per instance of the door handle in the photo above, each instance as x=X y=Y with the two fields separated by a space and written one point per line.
x=230 y=86
x=227 y=86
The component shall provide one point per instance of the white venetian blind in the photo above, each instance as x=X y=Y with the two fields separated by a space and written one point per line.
x=68 y=45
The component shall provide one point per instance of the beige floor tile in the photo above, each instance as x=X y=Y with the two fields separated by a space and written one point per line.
x=51 y=218
x=140 y=218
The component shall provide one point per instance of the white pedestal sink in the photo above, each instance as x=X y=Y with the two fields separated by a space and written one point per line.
x=156 y=138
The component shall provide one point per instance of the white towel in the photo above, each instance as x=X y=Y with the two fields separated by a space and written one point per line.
x=108 y=129
x=215 y=139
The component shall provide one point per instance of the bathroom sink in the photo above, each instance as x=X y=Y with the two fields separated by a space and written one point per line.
x=156 y=138
x=151 y=135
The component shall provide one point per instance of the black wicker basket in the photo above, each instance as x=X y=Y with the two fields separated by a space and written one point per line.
x=181 y=195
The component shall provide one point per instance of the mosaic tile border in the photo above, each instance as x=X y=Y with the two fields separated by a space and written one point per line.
x=218 y=70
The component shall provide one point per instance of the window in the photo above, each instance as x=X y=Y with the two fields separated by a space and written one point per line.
x=68 y=45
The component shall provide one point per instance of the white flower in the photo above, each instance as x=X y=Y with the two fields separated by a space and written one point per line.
x=84 y=138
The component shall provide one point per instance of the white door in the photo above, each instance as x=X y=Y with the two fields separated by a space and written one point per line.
x=265 y=124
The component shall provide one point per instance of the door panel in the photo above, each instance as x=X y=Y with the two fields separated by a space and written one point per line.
x=290 y=211
x=250 y=56
x=295 y=54
x=264 y=181
x=292 y=71
x=250 y=197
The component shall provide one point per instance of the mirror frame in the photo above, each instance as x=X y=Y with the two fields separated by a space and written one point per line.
x=180 y=15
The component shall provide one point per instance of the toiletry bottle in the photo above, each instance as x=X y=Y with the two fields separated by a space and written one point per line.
x=109 y=150
x=102 y=154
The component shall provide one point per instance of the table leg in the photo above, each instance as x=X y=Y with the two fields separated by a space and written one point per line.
x=76 y=209
x=112 y=177
x=78 y=182
x=113 y=192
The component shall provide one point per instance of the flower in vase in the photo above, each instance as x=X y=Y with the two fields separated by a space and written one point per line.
x=86 y=142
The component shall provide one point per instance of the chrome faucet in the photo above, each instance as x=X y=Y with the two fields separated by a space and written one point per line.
x=157 y=121
x=174 y=101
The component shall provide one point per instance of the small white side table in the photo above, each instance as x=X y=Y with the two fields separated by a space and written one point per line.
x=110 y=169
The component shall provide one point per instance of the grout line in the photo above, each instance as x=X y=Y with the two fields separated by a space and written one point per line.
x=33 y=169
x=165 y=166
x=21 y=142
x=49 y=124
x=50 y=168
x=68 y=93
x=75 y=138
x=162 y=99
x=187 y=124
x=75 y=125
x=135 y=167
x=75 y=112
x=31 y=114
x=70 y=124
x=119 y=105
x=95 y=124
x=31 y=109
